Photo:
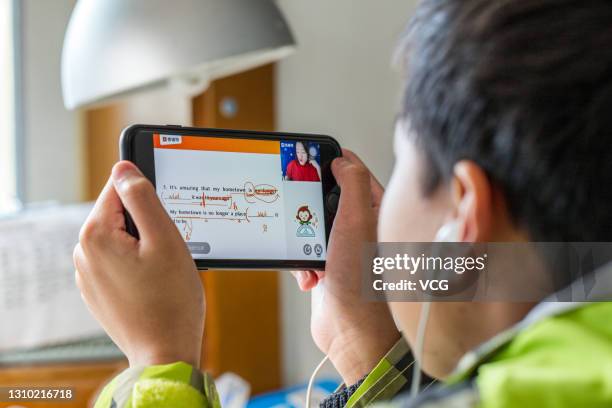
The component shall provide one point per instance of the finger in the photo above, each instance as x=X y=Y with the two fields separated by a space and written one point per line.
x=107 y=212
x=140 y=199
x=298 y=275
x=77 y=256
x=306 y=279
x=354 y=182
x=83 y=273
x=82 y=279
x=320 y=275
x=105 y=219
x=377 y=188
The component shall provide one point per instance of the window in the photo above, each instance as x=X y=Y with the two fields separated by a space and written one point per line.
x=8 y=113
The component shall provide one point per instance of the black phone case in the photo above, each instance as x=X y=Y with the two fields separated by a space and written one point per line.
x=330 y=199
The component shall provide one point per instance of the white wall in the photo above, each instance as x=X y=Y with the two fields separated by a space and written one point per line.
x=51 y=147
x=8 y=185
x=339 y=83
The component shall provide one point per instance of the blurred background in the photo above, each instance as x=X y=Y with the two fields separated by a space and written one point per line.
x=337 y=80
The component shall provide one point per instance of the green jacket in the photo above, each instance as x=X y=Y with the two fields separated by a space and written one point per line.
x=560 y=355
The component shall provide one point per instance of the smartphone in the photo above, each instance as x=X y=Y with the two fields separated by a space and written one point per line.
x=241 y=199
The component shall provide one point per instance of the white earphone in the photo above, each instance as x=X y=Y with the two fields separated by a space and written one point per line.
x=449 y=232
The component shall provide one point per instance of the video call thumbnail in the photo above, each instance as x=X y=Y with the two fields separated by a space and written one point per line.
x=301 y=161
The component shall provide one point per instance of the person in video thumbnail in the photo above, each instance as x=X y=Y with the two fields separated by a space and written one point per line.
x=303 y=167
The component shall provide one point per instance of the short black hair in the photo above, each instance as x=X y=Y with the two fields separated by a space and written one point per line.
x=524 y=89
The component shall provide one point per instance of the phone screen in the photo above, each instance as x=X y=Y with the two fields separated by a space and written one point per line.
x=243 y=198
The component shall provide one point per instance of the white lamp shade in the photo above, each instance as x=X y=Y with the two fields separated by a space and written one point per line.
x=114 y=47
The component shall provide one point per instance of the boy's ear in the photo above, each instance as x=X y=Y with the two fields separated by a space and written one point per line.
x=472 y=196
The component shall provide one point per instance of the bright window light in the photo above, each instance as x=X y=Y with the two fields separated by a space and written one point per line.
x=8 y=165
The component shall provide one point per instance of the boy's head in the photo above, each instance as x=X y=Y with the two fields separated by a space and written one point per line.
x=504 y=131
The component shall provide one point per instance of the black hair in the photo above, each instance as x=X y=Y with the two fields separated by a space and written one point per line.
x=524 y=89
x=306 y=146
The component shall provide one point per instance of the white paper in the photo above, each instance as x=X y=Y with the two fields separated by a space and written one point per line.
x=39 y=301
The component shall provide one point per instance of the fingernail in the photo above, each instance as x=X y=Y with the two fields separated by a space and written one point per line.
x=124 y=171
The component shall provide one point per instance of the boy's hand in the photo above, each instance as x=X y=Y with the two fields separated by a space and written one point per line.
x=353 y=332
x=145 y=293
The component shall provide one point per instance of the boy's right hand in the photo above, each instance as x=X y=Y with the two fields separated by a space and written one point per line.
x=145 y=293
x=353 y=332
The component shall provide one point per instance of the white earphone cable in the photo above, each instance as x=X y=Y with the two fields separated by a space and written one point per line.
x=418 y=352
x=449 y=232
x=312 y=380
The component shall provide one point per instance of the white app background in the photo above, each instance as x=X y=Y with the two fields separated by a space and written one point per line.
x=304 y=240
x=238 y=205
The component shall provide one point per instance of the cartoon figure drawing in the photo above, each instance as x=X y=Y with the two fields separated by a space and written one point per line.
x=304 y=217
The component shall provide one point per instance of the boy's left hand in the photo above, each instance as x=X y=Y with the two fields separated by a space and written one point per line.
x=145 y=293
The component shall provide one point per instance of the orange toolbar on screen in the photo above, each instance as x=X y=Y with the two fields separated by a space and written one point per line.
x=218 y=144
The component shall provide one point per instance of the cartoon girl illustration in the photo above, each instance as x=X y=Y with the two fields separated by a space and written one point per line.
x=304 y=217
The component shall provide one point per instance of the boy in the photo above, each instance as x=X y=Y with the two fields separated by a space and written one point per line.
x=503 y=136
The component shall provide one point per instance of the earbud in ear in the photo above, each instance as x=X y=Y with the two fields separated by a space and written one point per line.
x=449 y=232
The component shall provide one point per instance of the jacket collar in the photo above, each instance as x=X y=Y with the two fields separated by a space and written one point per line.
x=582 y=291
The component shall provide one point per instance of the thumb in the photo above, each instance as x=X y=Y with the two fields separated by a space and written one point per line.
x=354 y=181
x=139 y=198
